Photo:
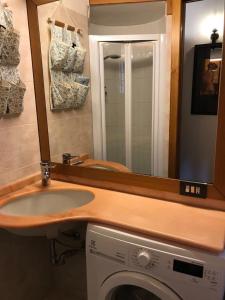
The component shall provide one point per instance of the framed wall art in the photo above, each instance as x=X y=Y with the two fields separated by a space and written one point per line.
x=206 y=78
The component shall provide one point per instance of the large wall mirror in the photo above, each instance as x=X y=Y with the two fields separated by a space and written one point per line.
x=149 y=111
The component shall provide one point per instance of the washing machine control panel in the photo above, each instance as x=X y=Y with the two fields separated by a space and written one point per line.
x=181 y=268
x=144 y=258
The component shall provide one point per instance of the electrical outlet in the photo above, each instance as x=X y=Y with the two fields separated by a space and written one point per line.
x=193 y=189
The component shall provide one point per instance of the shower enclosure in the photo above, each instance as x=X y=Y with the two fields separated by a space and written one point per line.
x=130 y=104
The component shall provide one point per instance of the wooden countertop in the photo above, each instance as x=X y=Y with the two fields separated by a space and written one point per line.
x=196 y=227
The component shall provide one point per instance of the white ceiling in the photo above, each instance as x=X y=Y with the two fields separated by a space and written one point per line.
x=127 y=14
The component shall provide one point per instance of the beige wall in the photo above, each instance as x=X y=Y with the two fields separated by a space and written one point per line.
x=19 y=146
x=198 y=132
x=148 y=28
x=139 y=18
x=69 y=131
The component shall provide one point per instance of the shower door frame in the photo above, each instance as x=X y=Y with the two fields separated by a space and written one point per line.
x=159 y=152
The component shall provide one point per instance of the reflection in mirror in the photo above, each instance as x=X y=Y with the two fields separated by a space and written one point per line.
x=124 y=122
x=129 y=106
x=70 y=130
x=201 y=64
x=114 y=121
x=128 y=120
x=131 y=94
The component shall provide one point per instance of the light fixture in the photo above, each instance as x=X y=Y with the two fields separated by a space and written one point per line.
x=209 y=22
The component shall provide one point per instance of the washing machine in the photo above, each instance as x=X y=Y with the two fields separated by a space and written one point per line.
x=126 y=266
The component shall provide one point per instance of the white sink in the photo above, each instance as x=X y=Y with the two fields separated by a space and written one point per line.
x=47 y=203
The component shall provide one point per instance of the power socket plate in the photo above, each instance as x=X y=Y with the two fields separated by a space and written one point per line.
x=193 y=189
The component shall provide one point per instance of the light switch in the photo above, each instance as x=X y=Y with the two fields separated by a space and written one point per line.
x=193 y=189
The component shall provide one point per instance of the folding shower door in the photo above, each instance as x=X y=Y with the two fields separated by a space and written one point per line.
x=127 y=85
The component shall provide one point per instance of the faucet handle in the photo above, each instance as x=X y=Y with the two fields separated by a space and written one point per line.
x=47 y=164
x=66 y=158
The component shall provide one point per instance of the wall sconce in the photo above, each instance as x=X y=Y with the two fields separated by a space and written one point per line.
x=210 y=23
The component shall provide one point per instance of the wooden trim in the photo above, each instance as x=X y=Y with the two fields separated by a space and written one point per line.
x=169 y=7
x=103 y=2
x=177 y=6
x=99 y=176
x=38 y=79
x=61 y=24
x=125 y=182
x=41 y=2
x=159 y=188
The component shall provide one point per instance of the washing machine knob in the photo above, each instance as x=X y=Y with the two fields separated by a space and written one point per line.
x=143 y=258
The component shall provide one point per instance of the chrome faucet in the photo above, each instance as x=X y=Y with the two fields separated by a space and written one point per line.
x=67 y=157
x=46 y=167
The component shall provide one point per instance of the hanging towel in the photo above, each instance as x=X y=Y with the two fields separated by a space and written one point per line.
x=9 y=49
x=11 y=97
x=64 y=95
x=10 y=74
x=68 y=90
x=12 y=89
x=82 y=79
x=6 y=18
x=15 y=98
x=58 y=49
x=4 y=94
x=80 y=56
x=77 y=54
x=81 y=95
x=69 y=38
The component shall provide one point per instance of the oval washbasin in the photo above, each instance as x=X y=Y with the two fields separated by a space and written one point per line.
x=47 y=203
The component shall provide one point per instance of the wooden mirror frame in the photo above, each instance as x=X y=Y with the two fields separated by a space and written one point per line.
x=160 y=188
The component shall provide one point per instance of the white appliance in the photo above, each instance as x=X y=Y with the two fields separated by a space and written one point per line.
x=124 y=266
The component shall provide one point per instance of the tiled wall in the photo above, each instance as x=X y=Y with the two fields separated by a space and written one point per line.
x=69 y=131
x=19 y=145
x=25 y=268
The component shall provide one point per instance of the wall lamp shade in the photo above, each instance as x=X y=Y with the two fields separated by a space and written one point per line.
x=211 y=23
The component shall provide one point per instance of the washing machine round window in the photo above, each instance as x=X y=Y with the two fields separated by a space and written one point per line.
x=133 y=292
x=135 y=286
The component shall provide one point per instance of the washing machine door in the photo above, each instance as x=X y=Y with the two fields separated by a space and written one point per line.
x=135 y=286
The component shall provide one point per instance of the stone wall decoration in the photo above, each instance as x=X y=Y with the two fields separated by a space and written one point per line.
x=12 y=89
x=69 y=88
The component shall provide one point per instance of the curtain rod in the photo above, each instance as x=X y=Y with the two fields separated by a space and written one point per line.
x=61 y=24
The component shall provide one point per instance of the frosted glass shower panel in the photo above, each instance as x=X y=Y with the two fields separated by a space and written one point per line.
x=114 y=89
x=141 y=106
